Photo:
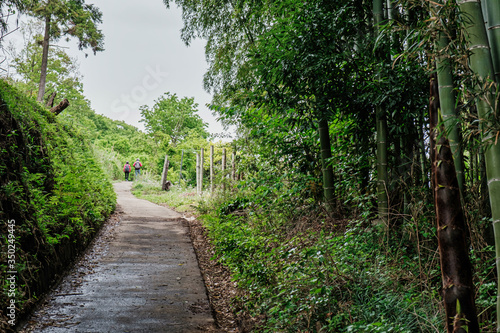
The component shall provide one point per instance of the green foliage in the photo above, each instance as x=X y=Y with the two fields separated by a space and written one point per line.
x=52 y=186
x=63 y=77
x=298 y=272
x=278 y=68
x=72 y=18
x=174 y=117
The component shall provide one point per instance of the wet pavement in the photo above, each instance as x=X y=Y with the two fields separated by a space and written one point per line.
x=141 y=275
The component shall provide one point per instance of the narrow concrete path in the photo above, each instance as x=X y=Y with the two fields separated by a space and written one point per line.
x=145 y=278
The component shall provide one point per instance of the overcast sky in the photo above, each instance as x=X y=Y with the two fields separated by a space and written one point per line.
x=144 y=57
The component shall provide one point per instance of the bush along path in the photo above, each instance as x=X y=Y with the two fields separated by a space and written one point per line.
x=143 y=278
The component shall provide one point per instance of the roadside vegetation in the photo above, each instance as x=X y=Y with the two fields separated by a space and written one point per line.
x=299 y=269
x=54 y=190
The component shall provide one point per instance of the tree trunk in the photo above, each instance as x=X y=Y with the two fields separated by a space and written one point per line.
x=326 y=155
x=481 y=64
x=456 y=269
x=45 y=57
x=447 y=101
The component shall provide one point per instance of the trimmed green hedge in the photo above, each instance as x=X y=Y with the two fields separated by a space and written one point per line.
x=52 y=192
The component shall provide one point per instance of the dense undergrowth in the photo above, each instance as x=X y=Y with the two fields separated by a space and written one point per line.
x=300 y=270
x=54 y=192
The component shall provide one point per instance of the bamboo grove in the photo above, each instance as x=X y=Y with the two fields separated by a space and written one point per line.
x=338 y=92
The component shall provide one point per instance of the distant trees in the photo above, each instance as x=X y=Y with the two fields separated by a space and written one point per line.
x=174 y=117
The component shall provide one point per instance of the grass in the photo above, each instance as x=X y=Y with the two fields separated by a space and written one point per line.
x=181 y=199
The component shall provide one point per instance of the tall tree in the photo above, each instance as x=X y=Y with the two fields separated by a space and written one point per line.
x=63 y=76
x=72 y=18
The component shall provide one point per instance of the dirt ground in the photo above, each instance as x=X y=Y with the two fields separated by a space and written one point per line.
x=141 y=274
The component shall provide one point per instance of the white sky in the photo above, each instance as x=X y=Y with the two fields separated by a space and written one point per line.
x=144 y=57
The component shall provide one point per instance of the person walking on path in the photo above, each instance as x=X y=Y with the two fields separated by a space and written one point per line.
x=137 y=165
x=127 y=168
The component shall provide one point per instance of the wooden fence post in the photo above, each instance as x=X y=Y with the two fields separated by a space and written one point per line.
x=211 y=169
x=233 y=175
x=180 y=170
x=197 y=173
x=164 y=174
x=223 y=169
x=202 y=160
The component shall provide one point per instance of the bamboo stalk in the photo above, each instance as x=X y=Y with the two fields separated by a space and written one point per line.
x=448 y=101
x=482 y=65
x=492 y=9
x=326 y=155
x=381 y=125
x=456 y=269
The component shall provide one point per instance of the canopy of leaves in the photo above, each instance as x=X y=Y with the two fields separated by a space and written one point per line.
x=72 y=18
x=173 y=116
x=63 y=76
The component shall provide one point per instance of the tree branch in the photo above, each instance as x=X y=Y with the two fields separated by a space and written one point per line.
x=60 y=107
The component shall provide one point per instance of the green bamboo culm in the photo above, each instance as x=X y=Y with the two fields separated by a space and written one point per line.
x=448 y=101
x=482 y=65
x=381 y=126
x=326 y=155
x=492 y=9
